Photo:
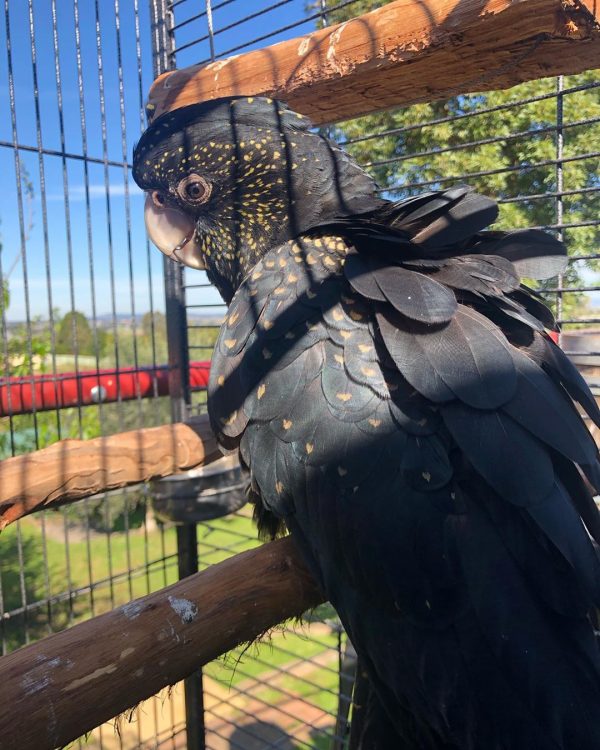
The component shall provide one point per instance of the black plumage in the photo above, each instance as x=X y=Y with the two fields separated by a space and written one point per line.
x=403 y=412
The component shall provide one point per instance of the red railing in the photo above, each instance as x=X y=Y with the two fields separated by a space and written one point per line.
x=23 y=395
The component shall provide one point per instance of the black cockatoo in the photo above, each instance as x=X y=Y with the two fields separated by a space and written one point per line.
x=403 y=412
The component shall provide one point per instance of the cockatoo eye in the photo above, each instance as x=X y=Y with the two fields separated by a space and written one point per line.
x=194 y=189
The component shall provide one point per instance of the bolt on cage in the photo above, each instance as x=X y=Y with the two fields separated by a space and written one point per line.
x=82 y=292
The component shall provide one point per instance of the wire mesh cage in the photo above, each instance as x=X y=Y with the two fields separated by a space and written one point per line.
x=86 y=301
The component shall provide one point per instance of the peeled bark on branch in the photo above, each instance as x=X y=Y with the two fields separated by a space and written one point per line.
x=73 y=469
x=405 y=52
x=55 y=690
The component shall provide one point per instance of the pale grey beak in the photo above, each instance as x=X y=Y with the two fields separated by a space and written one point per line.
x=173 y=233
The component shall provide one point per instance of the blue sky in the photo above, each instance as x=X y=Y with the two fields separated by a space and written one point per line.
x=126 y=274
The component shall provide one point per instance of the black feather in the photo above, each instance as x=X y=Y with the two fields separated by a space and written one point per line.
x=467 y=359
x=471 y=213
x=560 y=523
x=508 y=457
x=416 y=296
x=358 y=271
x=534 y=306
x=542 y=409
x=535 y=254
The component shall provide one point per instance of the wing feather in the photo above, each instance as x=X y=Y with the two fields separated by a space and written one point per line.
x=468 y=358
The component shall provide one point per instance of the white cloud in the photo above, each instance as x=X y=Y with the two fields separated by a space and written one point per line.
x=115 y=189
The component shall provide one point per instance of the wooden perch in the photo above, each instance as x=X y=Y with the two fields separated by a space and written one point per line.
x=406 y=52
x=70 y=682
x=72 y=469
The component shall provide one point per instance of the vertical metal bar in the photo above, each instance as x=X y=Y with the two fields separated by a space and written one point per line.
x=109 y=221
x=74 y=334
x=126 y=195
x=179 y=387
x=187 y=561
x=23 y=256
x=86 y=182
x=138 y=55
x=117 y=19
x=89 y=234
x=20 y=209
x=89 y=242
x=3 y=622
x=42 y=176
x=560 y=84
x=209 y=23
x=5 y=357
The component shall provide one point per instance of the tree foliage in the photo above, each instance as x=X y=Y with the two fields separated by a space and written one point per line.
x=74 y=334
x=154 y=324
x=4 y=293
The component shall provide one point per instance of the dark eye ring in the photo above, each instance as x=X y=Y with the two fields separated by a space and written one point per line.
x=194 y=189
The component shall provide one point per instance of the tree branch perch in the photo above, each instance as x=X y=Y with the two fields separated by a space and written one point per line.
x=406 y=52
x=72 y=469
x=70 y=682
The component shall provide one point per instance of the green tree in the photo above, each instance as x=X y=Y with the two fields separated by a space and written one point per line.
x=4 y=293
x=154 y=323
x=74 y=334
x=508 y=152
x=28 y=349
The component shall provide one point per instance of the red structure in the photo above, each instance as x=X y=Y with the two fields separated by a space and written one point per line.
x=23 y=395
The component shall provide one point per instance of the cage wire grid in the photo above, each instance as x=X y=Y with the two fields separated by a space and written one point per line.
x=73 y=79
